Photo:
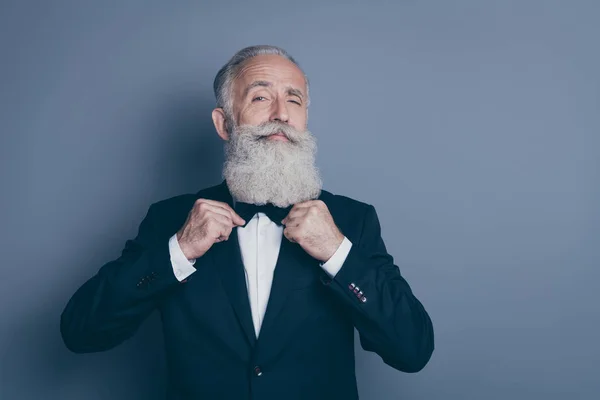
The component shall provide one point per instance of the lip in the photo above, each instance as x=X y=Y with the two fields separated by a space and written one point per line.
x=278 y=136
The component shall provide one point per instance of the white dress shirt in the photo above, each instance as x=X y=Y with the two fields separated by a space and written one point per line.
x=259 y=241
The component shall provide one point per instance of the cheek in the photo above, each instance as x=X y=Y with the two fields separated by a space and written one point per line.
x=253 y=116
x=298 y=119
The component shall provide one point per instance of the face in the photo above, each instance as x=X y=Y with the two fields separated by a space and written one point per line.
x=269 y=153
x=268 y=88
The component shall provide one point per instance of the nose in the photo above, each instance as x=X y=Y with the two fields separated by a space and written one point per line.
x=280 y=112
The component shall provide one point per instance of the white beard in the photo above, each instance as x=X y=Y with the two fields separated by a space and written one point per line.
x=259 y=170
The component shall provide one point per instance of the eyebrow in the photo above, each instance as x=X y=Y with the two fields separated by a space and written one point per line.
x=255 y=84
x=290 y=91
x=296 y=92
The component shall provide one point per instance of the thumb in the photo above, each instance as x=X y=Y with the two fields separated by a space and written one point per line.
x=237 y=219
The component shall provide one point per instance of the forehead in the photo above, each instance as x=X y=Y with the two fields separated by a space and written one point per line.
x=275 y=69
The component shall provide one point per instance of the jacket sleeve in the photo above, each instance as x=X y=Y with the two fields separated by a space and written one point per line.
x=390 y=320
x=110 y=306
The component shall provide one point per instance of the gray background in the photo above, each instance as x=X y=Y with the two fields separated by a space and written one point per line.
x=472 y=126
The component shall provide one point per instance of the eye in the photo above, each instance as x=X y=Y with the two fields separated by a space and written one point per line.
x=295 y=102
x=259 y=98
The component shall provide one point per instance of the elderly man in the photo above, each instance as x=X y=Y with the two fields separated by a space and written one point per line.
x=260 y=280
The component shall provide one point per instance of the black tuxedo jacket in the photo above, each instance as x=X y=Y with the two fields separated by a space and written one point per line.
x=305 y=349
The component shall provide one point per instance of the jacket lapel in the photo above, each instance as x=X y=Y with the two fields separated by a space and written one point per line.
x=227 y=260
x=294 y=269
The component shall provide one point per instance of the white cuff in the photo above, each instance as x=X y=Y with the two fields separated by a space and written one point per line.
x=182 y=267
x=334 y=264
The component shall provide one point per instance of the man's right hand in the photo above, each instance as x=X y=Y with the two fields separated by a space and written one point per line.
x=208 y=222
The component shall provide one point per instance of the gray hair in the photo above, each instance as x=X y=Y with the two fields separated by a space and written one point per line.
x=224 y=79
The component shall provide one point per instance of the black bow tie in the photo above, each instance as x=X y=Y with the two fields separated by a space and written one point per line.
x=275 y=214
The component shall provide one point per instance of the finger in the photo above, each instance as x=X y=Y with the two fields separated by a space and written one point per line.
x=290 y=234
x=294 y=214
x=222 y=219
x=222 y=238
x=305 y=204
x=291 y=222
x=224 y=232
x=211 y=212
x=224 y=209
x=286 y=234
x=221 y=232
x=234 y=216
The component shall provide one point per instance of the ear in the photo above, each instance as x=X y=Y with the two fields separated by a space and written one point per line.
x=218 y=117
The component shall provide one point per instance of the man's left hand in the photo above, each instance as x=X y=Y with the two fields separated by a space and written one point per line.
x=311 y=225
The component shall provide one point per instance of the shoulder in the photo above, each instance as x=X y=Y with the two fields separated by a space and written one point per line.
x=345 y=209
x=185 y=200
x=170 y=213
x=340 y=201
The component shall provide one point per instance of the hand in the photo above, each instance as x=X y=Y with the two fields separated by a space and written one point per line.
x=311 y=225
x=208 y=222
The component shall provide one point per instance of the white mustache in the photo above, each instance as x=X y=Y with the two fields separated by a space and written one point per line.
x=272 y=128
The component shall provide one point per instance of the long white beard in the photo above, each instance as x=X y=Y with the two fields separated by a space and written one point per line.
x=259 y=170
